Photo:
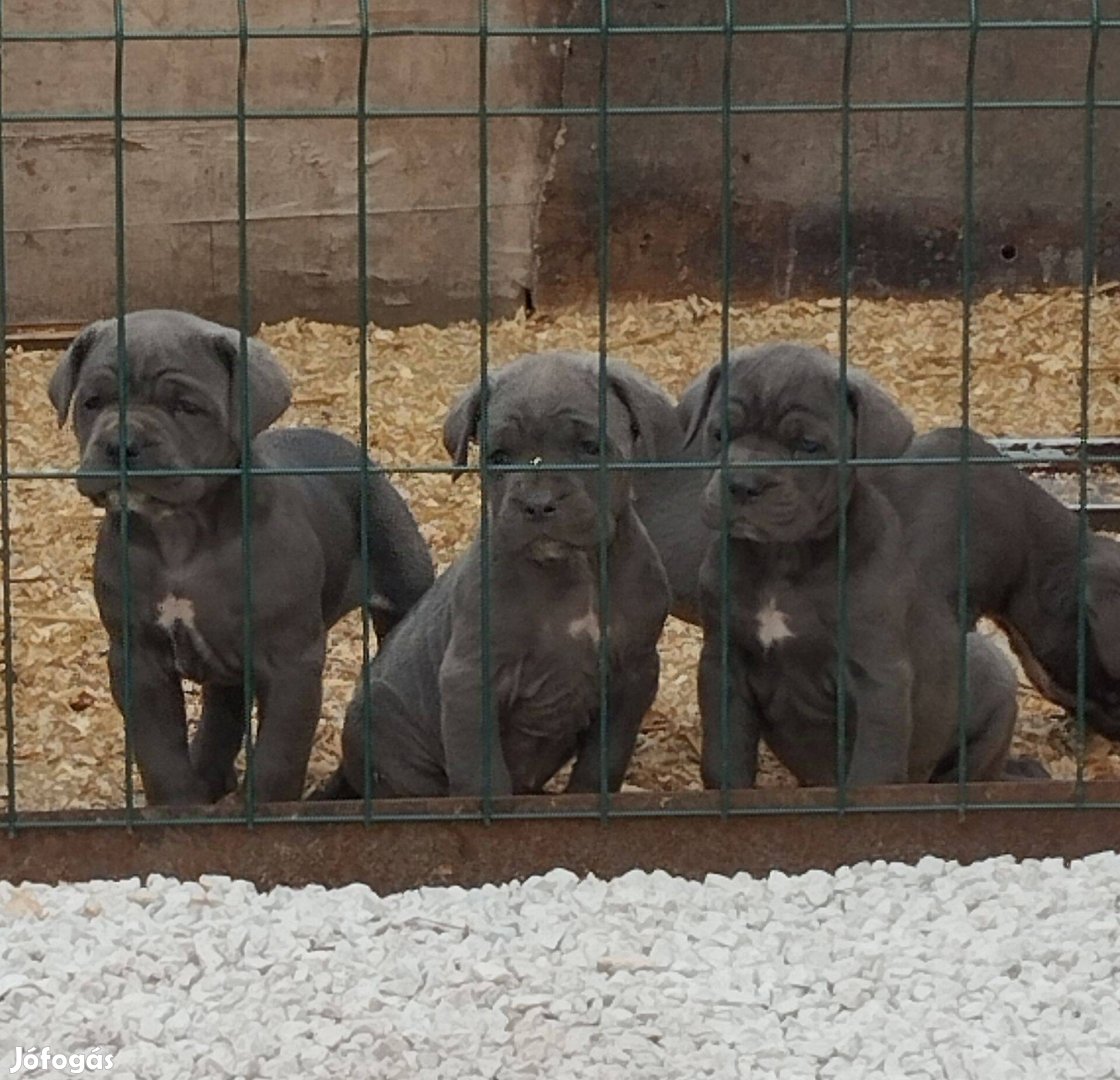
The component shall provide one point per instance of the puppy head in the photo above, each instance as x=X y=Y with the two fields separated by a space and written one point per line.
x=544 y=410
x=782 y=406
x=185 y=386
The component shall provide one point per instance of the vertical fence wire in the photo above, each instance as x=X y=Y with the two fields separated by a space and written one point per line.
x=363 y=404
x=724 y=539
x=1088 y=271
x=842 y=466
x=5 y=494
x=602 y=477
x=486 y=668
x=244 y=299
x=964 y=487
x=122 y=403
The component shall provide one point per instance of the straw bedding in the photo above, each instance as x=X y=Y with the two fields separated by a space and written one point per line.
x=1025 y=353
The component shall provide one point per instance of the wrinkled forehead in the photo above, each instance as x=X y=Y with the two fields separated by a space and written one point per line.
x=768 y=391
x=153 y=353
x=549 y=399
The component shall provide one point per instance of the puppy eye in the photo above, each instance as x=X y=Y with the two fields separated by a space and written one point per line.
x=92 y=402
x=500 y=457
x=807 y=446
x=717 y=434
x=188 y=408
x=590 y=447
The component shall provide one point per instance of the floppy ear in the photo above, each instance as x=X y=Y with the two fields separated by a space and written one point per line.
x=1104 y=603
x=65 y=377
x=461 y=425
x=270 y=390
x=696 y=402
x=653 y=421
x=692 y=401
x=882 y=429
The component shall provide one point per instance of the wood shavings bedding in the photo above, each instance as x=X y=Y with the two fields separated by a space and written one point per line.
x=1025 y=368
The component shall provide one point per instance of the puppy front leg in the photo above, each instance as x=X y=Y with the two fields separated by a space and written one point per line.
x=738 y=760
x=289 y=696
x=465 y=749
x=221 y=732
x=881 y=751
x=633 y=687
x=159 y=722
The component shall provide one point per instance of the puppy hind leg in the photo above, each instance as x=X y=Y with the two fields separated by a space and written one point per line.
x=631 y=693
x=992 y=711
x=220 y=734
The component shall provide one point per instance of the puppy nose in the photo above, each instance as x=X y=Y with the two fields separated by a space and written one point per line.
x=112 y=446
x=537 y=505
x=744 y=484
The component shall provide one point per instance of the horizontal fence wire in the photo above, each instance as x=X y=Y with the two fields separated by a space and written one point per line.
x=362 y=113
x=617 y=29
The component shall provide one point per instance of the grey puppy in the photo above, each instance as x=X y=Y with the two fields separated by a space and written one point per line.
x=901 y=670
x=1022 y=568
x=425 y=686
x=185 y=548
x=665 y=498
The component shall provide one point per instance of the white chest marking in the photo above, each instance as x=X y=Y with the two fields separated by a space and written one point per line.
x=585 y=626
x=773 y=626
x=175 y=609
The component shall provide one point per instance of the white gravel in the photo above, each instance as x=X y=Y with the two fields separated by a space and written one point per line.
x=995 y=970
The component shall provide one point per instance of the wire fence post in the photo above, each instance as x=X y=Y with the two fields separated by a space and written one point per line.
x=724 y=538
x=485 y=478
x=244 y=301
x=842 y=426
x=363 y=402
x=11 y=811
x=1088 y=274
x=122 y=401
x=602 y=477
x=964 y=473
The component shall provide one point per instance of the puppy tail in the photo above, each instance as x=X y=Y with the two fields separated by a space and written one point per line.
x=336 y=786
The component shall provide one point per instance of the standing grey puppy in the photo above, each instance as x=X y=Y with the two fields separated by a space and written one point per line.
x=185 y=560
x=1022 y=568
x=900 y=665
x=425 y=686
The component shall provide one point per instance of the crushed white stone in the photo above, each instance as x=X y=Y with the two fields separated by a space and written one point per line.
x=996 y=970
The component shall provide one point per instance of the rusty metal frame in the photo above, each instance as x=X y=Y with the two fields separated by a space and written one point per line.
x=682 y=833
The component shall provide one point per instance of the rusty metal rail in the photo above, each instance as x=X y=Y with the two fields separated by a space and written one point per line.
x=682 y=833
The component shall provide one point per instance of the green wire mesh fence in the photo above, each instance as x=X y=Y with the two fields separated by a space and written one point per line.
x=732 y=24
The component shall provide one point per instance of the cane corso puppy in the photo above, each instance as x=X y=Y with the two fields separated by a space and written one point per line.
x=900 y=667
x=185 y=535
x=546 y=613
x=1022 y=567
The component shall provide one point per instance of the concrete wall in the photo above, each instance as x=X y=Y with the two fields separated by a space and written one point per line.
x=181 y=177
x=665 y=172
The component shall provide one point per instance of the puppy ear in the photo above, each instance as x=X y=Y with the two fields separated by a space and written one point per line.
x=653 y=421
x=697 y=400
x=882 y=429
x=65 y=378
x=1104 y=602
x=270 y=389
x=461 y=426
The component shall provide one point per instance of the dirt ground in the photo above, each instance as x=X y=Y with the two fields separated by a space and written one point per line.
x=1025 y=359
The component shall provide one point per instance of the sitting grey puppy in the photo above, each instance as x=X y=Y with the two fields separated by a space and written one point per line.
x=681 y=536
x=902 y=647
x=665 y=498
x=425 y=685
x=1022 y=568
x=185 y=548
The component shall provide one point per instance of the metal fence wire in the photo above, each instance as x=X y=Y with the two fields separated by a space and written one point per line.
x=740 y=21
